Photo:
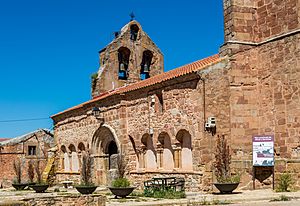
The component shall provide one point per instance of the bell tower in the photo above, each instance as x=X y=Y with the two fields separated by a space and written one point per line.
x=131 y=57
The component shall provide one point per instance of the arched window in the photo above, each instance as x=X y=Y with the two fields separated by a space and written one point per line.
x=74 y=159
x=81 y=147
x=65 y=159
x=149 y=157
x=123 y=57
x=183 y=154
x=167 y=154
x=134 y=30
x=145 y=65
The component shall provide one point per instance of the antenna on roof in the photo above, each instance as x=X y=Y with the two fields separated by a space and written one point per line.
x=131 y=16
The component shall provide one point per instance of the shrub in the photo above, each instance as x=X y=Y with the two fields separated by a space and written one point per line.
x=284 y=182
x=122 y=162
x=222 y=162
x=281 y=198
x=38 y=171
x=120 y=182
x=94 y=79
x=86 y=170
x=30 y=171
x=166 y=194
x=18 y=171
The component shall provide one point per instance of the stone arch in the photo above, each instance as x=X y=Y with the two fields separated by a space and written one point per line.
x=184 y=148
x=146 y=64
x=72 y=148
x=81 y=150
x=123 y=58
x=148 y=151
x=105 y=147
x=167 y=156
x=136 y=152
x=134 y=30
x=65 y=160
x=81 y=147
x=74 y=160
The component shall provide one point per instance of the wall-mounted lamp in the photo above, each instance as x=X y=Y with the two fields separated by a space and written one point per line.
x=97 y=113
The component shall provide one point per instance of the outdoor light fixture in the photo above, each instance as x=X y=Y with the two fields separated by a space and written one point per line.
x=97 y=113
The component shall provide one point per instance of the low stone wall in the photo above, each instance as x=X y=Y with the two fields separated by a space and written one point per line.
x=67 y=176
x=62 y=200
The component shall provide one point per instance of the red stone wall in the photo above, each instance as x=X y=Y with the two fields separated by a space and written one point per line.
x=264 y=94
x=15 y=152
x=258 y=20
x=133 y=114
x=109 y=65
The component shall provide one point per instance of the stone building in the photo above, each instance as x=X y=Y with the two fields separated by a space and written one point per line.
x=32 y=146
x=250 y=88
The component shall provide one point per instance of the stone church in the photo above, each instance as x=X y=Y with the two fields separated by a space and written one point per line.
x=167 y=122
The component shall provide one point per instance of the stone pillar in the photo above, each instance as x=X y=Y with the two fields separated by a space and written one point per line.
x=177 y=155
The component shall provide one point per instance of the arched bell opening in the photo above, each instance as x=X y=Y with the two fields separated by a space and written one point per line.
x=123 y=58
x=134 y=31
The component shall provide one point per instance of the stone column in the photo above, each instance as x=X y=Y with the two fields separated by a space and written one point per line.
x=177 y=155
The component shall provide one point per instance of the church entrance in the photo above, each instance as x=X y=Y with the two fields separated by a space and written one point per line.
x=105 y=151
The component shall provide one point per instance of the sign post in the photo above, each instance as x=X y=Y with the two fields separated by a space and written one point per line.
x=263 y=154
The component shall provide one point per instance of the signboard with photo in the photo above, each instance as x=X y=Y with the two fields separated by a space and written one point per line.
x=263 y=150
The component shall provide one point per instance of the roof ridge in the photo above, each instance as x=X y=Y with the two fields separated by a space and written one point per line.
x=165 y=76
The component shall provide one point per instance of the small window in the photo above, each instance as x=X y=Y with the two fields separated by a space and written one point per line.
x=31 y=150
x=134 y=30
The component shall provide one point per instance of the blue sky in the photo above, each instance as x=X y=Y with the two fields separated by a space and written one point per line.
x=49 y=48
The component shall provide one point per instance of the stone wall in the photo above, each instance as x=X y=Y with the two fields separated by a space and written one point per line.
x=18 y=150
x=264 y=95
x=254 y=90
x=258 y=20
x=108 y=79
x=170 y=111
x=59 y=200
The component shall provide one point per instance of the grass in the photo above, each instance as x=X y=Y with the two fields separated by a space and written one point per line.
x=166 y=194
x=213 y=202
x=137 y=194
x=281 y=198
x=285 y=182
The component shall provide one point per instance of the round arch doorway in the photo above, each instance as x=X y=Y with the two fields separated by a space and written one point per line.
x=105 y=147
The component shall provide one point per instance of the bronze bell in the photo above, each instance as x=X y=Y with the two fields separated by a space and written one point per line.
x=146 y=68
x=122 y=67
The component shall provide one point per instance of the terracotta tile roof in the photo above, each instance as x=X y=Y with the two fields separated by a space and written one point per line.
x=3 y=139
x=180 y=71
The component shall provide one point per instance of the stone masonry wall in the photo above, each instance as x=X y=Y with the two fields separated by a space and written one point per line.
x=66 y=200
x=258 y=20
x=132 y=115
x=14 y=152
x=109 y=64
x=264 y=88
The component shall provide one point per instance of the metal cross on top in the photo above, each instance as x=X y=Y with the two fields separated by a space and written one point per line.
x=131 y=16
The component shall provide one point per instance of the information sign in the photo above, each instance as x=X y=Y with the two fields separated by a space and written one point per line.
x=263 y=150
